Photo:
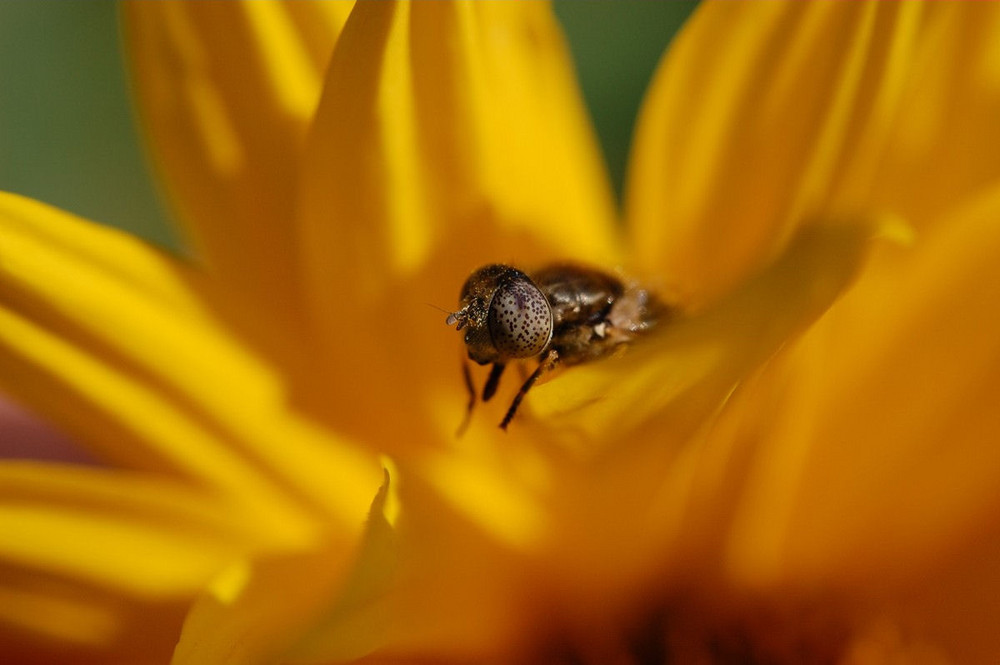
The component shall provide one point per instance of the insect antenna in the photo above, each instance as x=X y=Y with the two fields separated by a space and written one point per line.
x=438 y=308
x=453 y=317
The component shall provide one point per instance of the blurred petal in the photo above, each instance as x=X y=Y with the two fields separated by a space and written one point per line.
x=102 y=334
x=449 y=125
x=227 y=90
x=942 y=146
x=736 y=146
x=254 y=612
x=87 y=552
x=115 y=520
x=449 y=135
x=434 y=585
x=879 y=457
x=681 y=375
x=427 y=582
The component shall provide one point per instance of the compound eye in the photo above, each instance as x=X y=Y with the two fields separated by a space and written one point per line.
x=520 y=320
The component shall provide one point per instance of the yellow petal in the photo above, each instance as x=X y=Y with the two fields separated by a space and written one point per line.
x=101 y=526
x=435 y=583
x=87 y=553
x=446 y=128
x=105 y=336
x=755 y=121
x=449 y=135
x=254 y=611
x=667 y=385
x=227 y=90
x=941 y=147
x=880 y=457
x=306 y=601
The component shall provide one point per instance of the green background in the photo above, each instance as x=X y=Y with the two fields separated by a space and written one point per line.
x=68 y=135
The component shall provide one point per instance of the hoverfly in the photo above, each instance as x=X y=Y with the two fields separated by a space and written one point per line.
x=562 y=314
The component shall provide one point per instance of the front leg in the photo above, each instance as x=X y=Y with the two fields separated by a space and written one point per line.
x=493 y=381
x=471 y=387
x=547 y=364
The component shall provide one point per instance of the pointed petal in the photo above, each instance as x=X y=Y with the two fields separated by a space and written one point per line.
x=227 y=90
x=87 y=553
x=104 y=335
x=412 y=587
x=252 y=611
x=757 y=118
x=256 y=611
x=449 y=135
x=444 y=125
x=428 y=582
x=880 y=456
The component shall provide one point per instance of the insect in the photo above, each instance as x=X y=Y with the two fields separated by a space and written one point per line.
x=562 y=314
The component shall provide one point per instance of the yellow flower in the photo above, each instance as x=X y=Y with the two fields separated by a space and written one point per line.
x=801 y=468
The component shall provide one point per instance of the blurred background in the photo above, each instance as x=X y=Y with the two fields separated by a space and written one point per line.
x=68 y=136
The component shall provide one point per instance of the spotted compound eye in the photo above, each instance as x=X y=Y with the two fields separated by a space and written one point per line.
x=520 y=319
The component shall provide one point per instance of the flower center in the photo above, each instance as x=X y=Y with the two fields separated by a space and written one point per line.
x=687 y=635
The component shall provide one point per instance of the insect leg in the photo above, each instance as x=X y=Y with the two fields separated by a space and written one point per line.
x=491 y=383
x=548 y=362
x=471 y=388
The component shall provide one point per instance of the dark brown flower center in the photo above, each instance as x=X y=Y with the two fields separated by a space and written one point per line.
x=692 y=636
